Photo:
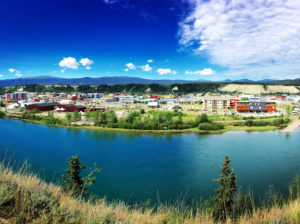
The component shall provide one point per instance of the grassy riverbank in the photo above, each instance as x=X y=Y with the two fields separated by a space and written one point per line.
x=24 y=198
x=227 y=127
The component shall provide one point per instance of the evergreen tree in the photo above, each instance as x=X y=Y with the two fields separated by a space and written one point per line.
x=73 y=182
x=223 y=201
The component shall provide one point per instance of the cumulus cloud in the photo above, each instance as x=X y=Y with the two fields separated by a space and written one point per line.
x=150 y=61
x=12 y=70
x=15 y=71
x=166 y=71
x=130 y=66
x=206 y=71
x=86 y=62
x=69 y=62
x=146 y=68
x=259 y=35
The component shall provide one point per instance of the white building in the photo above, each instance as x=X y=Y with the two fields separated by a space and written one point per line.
x=126 y=99
x=152 y=104
x=216 y=102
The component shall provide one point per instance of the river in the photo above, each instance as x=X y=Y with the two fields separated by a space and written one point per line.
x=137 y=167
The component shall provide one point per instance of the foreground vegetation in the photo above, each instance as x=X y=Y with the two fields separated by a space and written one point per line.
x=24 y=198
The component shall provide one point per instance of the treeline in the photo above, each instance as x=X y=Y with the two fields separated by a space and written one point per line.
x=120 y=88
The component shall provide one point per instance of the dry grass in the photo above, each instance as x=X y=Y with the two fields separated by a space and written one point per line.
x=257 y=89
x=61 y=208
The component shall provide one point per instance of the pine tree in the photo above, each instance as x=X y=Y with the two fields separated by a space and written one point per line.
x=223 y=201
x=73 y=182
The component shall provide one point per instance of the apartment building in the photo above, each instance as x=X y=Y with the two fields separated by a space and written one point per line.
x=217 y=102
x=256 y=106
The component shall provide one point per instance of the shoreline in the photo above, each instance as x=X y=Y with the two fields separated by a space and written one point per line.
x=172 y=131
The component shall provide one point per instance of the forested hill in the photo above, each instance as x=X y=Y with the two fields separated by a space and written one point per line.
x=126 y=88
x=123 y=80
x=46 y=80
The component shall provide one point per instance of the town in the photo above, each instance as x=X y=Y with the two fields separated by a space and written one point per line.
x=225 y=108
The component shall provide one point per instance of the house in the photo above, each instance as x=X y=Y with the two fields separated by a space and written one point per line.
x=42 y=106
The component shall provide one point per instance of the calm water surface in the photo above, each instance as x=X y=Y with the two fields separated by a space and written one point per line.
x=137 y=167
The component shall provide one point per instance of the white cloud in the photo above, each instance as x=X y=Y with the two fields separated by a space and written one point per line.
x=166 y=71
x=86 y=62
x=150 y=61
x=251 y=38
x=15 y=71
x=146 y=68
x=110 y=1
x=130 y=66
x=126 y=69
x=1 y=76
x=88 y=67
x=69 y=63
x=206 y=71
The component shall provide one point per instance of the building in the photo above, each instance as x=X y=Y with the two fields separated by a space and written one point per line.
x=16 y=96
x=256 y=106
x=217 y=102
x=154 y=97
x=153 y=105
x=93 y=95
x=72 y=107
x=42 y=106
x=126 y=99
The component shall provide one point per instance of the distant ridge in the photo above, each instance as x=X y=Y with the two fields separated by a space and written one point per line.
x=125 y=80
x=85 y=81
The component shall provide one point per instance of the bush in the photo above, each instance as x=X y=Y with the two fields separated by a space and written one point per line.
x=2 y=114
x=203 y=118
x=248 y=122
x=211 y=126
x=261 y=123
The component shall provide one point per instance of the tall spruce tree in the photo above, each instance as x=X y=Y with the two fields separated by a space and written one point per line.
x=73 y=182
x=223 y=201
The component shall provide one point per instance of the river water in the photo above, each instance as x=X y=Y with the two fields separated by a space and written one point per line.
x=137 y=167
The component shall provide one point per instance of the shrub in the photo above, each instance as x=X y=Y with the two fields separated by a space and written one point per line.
x=203 y=118
x=211 y=126
x=261 y=123
x=248 y=122
x=2 y=114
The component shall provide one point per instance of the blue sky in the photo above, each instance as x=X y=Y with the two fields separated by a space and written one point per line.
x=155 y=39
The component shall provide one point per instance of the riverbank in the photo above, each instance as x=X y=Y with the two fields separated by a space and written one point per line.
x=172 y=131
x=291 y=127
x=25 y=198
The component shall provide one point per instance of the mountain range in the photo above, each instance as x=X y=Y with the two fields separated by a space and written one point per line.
x=121 y=80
